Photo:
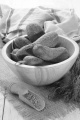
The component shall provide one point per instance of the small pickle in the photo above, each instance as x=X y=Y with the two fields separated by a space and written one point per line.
x=34 y=31
x=50 y=39
x=24 y=51
x=20 y=42
x=31 y=60
x=13 y=55
x=50 y=54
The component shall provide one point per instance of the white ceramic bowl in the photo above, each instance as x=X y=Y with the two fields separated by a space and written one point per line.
x=43 y=75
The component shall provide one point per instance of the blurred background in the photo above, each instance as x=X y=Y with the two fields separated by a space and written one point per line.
x=49 y=3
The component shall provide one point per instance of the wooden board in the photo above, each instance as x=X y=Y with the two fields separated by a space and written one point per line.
x=1 y=104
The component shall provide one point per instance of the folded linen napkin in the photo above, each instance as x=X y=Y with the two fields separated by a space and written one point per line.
x=13 y=23
x=68 y=26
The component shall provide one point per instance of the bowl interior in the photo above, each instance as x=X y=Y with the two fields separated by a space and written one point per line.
x=68 y=44
x=65 y=42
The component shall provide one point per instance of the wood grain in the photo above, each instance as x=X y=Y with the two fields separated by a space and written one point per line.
x=1 y=104
x=17 y=110
x=42 y=75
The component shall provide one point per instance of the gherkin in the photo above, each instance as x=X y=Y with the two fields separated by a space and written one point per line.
x=34 y=31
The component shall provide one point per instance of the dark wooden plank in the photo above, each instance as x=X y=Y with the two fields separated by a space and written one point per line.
x=1 y=103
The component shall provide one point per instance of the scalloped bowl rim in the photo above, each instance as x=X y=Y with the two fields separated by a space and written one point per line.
x=76 y=52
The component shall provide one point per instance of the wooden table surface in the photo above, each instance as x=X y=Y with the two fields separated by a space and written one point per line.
x=11 y=108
